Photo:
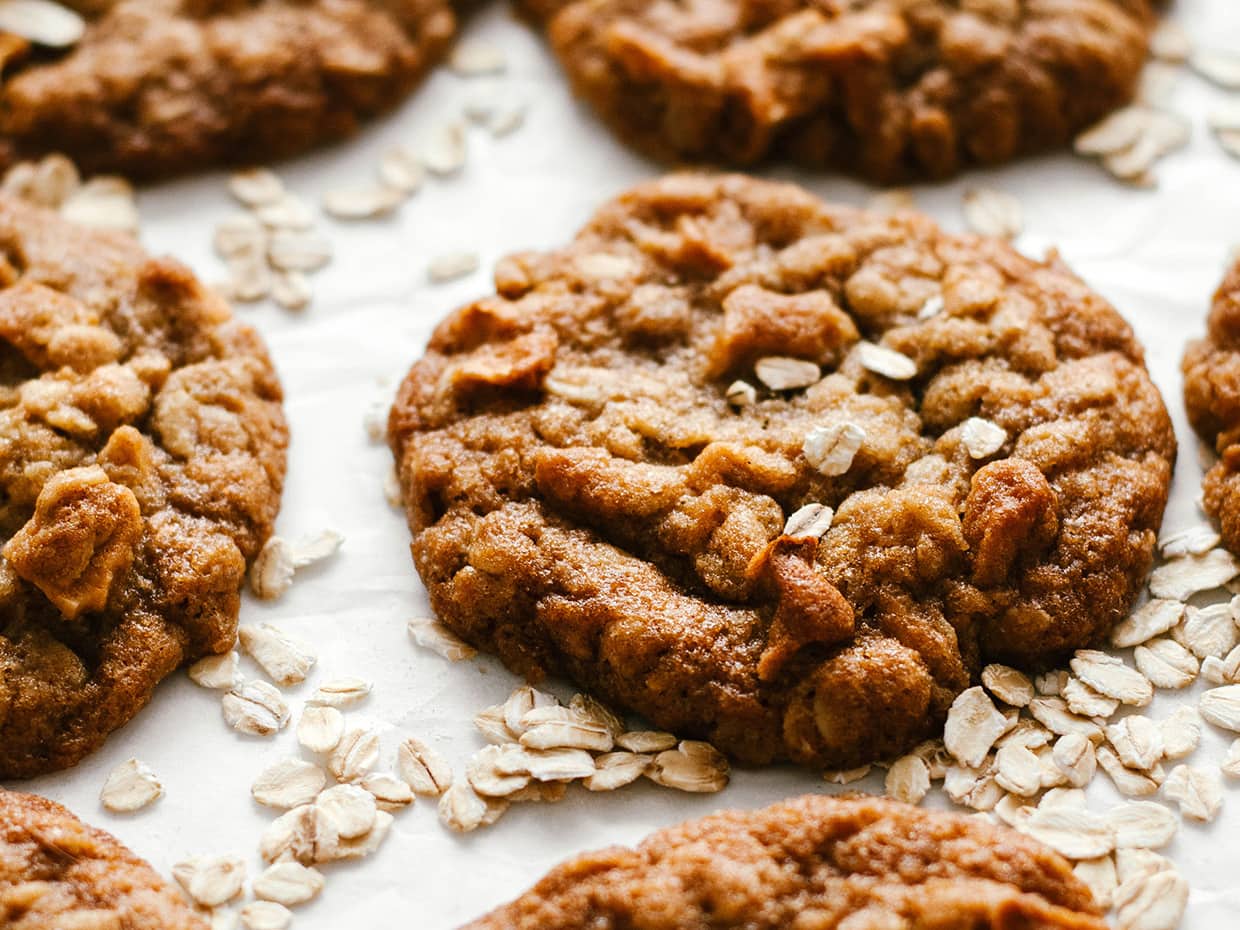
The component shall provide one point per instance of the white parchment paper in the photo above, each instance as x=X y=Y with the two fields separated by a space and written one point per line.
x=1158 y=255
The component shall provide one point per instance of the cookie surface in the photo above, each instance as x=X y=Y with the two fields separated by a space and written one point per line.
x=888 y=89
x=817 y=862
x=585 y=500
x=1212 y=396
x=56 y=871
x=158 y=87
x=142 y=455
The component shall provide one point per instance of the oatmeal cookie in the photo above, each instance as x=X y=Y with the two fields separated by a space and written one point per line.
x=142 y=453
x=157 y=87
x=591 y=492
x=57 y=872
x=815 y=862
x=1212 y=395
x=888 y=89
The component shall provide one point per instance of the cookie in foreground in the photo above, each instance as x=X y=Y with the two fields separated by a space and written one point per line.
x=815 y=862
x=886 y=89
x=153 y=89
x=777 y=474
x=1212 y=396
x=142 y=456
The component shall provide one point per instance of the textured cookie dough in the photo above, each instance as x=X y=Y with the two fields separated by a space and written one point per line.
x=158 y=87
x=817 y=863
x=889 y=89
x=586 y=502
x=56 y=873
x=1212 y=395
x=142 y=454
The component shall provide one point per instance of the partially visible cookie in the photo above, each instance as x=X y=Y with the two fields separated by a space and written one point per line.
x=142 y=455
x=781 y=475
x=1211 y=369
x=888 y=89
x=815 y=862
x=57 y=873
x=159 y=87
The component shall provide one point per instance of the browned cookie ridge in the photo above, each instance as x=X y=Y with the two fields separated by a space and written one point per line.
x=813 y=863
x=57 y=872
x=158 y=87
x=888 y=89
x=142 y=455
x=1212 y=395
x=585 y=500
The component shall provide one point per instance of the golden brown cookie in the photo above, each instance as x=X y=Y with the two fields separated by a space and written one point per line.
x=888 y=89
x=818 y=863
x=159 y=87
x=142 y=454
x=56 y=872
x=598 y=480
x=1212 y=395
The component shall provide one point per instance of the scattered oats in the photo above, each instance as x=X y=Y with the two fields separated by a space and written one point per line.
x=355 y=848
x=595 y=712
x=1225 y=671
x=1051 y=775
x=831 y=449
x=422 y=769
x=265 y=915
x=1153 y=618
x=1166 y=663
x=935 y=755
x=272 y=572
x=211 y=880
x=1196 y=540
x=1075 y=834
x=781 y=373
x=846 y=776
x=1099 y=876
x=1014 y=811
x=1133 y=864
x=298 y=251
x=450 y=266
x=219 y=673
x=490 y=723
x=1073 y=755
x=1108 y=675
x=1142 y=825
x=1231 y=764
x=1229 y=139
x=1084 y=700
x=1018 y=770
x=810 y=522
x=1209 y=631
x=1198 y=791
x=1053 y=713
x=291 y=290
x=389 y=791
x=460 y=809
x=240 y=235
x=345 y=811
x=991 y=212
x=886 y=362
x=1224 y=118
x=1164 y=132
x=288 y=883
x=291 y=835
x=288 y=783
x=982 y=438
x=1115 y=133
x=444 y=153
x=355 y=755
x=1153 y=903
x=1170 y=42
x=249 y=279
x=1221 y=707
x=320 y=728
x=1181 y=578
x=1127 y=782
x=256 y=708
x=256 y=187
x=286 y=659
x=505 y=121
x=1028 y=733
x=401 y=169
x=908 y=779
x=693 y=766
x=741 y=394
x=130 y=786
x=223 y=919
x=289 y=212
x=973 y=725
x=42 y=22
x=1217 y=67
x=341 y=692
x=616 y=769
x=1008 y=685
x=1180 y=733
x=1050 y=684
x=362 y=203
x=496 y=808
x=973 y=787
x=487 y=780
x=931 y=308
x=1137 y=741
x=433 y=635
x=892 y=200
x=472 y=59
x=539 y=792
x=521 y=702
x=558 y=764
x=103 y=203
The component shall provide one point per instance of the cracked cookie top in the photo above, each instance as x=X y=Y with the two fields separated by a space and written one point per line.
x=778 y=474
x=889 y=89
x=57 y=872
x=159 y=87
x=142 y=454
x=814 y=862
